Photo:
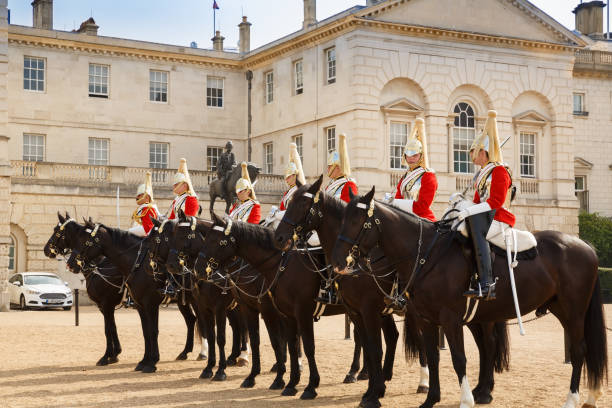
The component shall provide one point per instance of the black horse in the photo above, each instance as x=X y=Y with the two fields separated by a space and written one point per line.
x=364 y=293
x=187 y=248
x=562 y=277
x=287 y=280
x=105 y=288
x=127 y=252
x=213 y=306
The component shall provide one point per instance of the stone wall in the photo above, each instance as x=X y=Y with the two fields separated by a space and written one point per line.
x=5 y=179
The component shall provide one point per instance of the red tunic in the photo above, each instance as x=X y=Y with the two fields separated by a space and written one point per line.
x=254 y=213
x=500 y=184
x=147 y=214
x=422 y=205
x=349 y=185
x=190 y=206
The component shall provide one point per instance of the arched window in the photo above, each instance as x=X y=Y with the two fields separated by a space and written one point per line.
x=12 y=254
x=464 y=131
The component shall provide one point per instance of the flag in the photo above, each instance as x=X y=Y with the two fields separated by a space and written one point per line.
x=215 y=5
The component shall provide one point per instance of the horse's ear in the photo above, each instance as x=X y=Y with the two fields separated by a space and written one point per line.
x=316 y=185
x=368 y=197
x=60 y=218
x=351 y=194
x=155 y=222
x=298 y=183
x=181 y=215
x=216 y=219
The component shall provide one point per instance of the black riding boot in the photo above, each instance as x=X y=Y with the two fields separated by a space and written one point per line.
x=327 y=295
x=478 y=226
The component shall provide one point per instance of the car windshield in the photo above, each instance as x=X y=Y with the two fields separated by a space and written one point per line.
x=42 y=280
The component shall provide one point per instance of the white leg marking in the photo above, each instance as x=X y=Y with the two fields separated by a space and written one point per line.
x=572 y=400
x=204 y=350
x=467 y=399
x=594 y=395
x=424 y=381
x=244 y=355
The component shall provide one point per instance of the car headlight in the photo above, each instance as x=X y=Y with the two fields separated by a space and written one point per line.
x=32 y=292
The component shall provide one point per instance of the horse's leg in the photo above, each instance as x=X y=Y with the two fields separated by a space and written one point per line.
x=370 y=324
x=145 y=333
x=190 y=320
x=306 y=330
x=221 y=317
x=115 y=337
x=104 y=360
x=277 y=335
x=351 y=377
x=210 y=337
x=391 y=335
x=201 y=324
x=414 y=344
x=236 y=325
x=454 y=335
x=430 y=338
x=243 y=358
x=293 y=343
x=153 y=316
x=483 y=336
x=252 y=320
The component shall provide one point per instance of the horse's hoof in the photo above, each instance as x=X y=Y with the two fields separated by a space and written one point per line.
x=274 y=368
x=369 y=404
x=201 y=357
x=349 y=379
x=231 y=362
x=308 y=394
x=289 y=392
x=220 y=376
x=429 y=403
x=363 y=376
x=182 y=356
x=206 y=373
x=278 y=384
x=248 y=383
x=139 y=366
x=102 y=362
x=113 y=360
x=482 y=397
x=149 y=369
x=242 y=362
x=422 y=389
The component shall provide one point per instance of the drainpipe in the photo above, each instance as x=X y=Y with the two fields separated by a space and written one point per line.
x=249 y=78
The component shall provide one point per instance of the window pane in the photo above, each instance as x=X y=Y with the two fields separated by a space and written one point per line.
x=398 y=137
x=463 y=136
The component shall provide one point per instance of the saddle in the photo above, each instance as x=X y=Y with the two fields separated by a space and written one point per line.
x=523 y=243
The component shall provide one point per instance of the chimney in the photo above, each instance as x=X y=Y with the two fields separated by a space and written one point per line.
x=373 y=2
x=310 y=13
x=218 y=41
x=88 y=27
x=245 y=36
x=42 y=14
x=589 y=18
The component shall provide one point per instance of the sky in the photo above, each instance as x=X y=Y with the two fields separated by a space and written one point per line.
x=179 y=22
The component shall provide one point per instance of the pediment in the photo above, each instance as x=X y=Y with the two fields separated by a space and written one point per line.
x=580 y=163
x=504 y=18
x=401 y=106
x=531 y=118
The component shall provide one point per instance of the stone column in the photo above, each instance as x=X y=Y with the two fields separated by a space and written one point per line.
x=5 y=175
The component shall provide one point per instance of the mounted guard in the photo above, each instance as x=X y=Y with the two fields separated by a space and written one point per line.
x=186 y=198
x=489 y=215
x=146 y=210
x=417 y=188
x=339 y=171
x=248 y=208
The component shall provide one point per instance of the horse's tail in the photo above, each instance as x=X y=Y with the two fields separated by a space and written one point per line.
x=413 y=343
x=502 y=347
x=596 y=342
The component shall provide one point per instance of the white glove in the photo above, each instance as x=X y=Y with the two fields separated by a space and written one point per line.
x=404 y=205
x=273 y=211
x=388 y=198
x=473 y=210
x=138 y=230
x=278 y=215
x=455 y=198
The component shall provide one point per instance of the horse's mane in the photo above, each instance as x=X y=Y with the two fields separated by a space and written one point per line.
x=335 y=206
x=122 y=237
x=402 y=212
x=264 y=237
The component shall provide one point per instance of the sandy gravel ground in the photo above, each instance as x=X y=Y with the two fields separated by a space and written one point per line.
x=45 y=361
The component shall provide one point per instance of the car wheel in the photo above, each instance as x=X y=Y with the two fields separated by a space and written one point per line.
x=67 y=307
x=22 y=303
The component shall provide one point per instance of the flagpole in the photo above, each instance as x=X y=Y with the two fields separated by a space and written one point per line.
x=214 y=21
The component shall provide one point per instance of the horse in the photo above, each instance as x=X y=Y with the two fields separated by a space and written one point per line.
x=127 y=252
x=365 y=294
x=286 y=282
x=226 y=191
x=562 y=277
x=187 y=246
x=213 y=306
x=104 y=285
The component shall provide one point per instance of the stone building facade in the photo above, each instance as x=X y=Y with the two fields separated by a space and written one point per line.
x=89 y=115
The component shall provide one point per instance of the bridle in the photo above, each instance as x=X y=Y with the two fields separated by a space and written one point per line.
x=355 y=252
x=314 y=210
x=154 y=258
x=91 y=241
x=57 y=236
x=212 y=264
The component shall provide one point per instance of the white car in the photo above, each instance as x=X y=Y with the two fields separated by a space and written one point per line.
x=39 y=290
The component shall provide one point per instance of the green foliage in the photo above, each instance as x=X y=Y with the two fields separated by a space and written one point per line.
x=605 y=277
x=597 y=231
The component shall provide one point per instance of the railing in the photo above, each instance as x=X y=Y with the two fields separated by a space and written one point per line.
x=464 y=183
x=88 y=174
x=589 y=57
x=529 y=187
x=394 y=178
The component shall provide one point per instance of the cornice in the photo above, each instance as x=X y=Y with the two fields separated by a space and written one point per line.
x=120 y=51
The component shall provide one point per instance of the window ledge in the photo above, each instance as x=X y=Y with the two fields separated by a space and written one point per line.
x=581 y=114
